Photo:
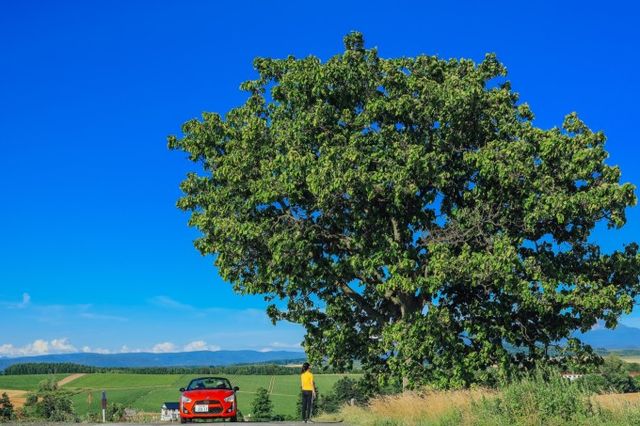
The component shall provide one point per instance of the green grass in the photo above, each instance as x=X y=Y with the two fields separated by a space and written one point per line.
x=147 y=392
x=128 y=397
x=116 y=380
x=27 y=382
x=153 y=399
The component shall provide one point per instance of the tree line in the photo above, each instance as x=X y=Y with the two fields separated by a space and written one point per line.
x=72 y=368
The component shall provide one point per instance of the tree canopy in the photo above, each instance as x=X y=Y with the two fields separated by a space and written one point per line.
x=409 y=214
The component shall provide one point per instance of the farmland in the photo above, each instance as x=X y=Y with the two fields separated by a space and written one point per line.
x=147 y=392
x=631 y=358
x=27 y=382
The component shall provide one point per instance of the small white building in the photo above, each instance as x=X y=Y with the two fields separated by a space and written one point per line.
x=170 y=412
x=571 y=376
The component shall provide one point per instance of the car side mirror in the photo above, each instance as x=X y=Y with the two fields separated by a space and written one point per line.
x=182 y=389
x=236 y=388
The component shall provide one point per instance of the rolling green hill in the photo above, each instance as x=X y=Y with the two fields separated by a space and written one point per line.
x=27 y=382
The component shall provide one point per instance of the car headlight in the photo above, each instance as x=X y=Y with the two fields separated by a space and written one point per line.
x=185 y=399
x=230 y=398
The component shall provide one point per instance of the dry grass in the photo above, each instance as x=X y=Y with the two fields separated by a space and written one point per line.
x=17 y=397
x=415 y=408
x=430 y=408
x=70 y=379
x=617 y=401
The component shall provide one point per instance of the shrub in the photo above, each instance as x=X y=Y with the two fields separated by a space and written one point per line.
x=344 y=391
x=115 y=412
x=536 y=400
x=50 y=403
x=6 y=409
x=262 y=407
x=611 y=376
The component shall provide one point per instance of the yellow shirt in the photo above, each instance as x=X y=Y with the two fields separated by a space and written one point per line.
x=307 y=380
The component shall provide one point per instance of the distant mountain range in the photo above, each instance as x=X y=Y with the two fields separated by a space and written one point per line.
x=178 y=359
x=622 y=337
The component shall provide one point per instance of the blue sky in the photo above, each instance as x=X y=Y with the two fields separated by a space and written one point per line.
x=93 y=253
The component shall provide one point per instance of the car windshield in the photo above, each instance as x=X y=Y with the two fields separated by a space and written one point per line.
x=209 y=383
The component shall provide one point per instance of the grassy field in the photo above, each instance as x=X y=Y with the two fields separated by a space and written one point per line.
x=27 y=382
x=631 y=358
x=147 y=392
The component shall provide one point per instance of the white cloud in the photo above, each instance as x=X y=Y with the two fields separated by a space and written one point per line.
x=88 y=349
x=35 y=348
x=7 y=349
x=26 y=299
x=164 y=347
x=126 y=349
x=62 y=345
x=200 y=345
x=38 y=347
x=281 y=345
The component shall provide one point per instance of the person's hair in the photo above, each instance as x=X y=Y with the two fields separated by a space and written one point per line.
x=305 y=367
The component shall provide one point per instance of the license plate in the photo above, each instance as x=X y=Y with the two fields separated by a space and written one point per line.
x=202 y=409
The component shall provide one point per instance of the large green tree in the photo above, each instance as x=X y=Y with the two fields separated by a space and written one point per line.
x=409 y=214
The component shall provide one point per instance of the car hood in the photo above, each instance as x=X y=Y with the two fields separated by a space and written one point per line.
x=201 y=394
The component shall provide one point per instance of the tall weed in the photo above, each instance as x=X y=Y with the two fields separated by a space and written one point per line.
x=539 y=400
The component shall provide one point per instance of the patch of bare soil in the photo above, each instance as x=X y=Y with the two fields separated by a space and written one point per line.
x=17 y=397
x=69 y=379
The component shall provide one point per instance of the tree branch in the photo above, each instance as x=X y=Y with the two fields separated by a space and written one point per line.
x=361 y=302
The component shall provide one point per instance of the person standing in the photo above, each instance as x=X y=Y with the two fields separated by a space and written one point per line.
x=308 y=391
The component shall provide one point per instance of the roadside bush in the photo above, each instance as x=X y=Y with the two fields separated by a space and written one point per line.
x=6 y=409
x=612 y=377
x=536 y=401
x=92 y=417
x=262 y=407
x=344 y=391
x=115 y=412
x=616 y=372
x=50 y=403
x=594 y=383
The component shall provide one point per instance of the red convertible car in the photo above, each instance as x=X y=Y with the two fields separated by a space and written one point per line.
x=209 y=398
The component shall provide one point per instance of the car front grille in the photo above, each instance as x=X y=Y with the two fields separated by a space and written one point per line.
x=215 y=406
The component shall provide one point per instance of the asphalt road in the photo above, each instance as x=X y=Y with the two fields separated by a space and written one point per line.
x=216 y=423
x=198 y=423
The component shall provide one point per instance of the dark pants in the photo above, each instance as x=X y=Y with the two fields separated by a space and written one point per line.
x=307 y=404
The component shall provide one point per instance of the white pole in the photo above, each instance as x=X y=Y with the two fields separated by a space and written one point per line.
x=104 y=407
